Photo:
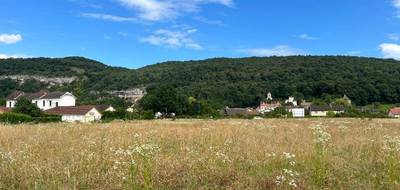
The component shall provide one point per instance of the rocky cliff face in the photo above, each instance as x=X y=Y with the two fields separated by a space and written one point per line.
x=51 y=81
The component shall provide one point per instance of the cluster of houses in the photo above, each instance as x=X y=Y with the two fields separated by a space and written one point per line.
x=290 y=105
x=64 y=104
x=59 y=103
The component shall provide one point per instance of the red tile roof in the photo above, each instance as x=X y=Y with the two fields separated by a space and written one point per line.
x=395 y=111
x=70 y=110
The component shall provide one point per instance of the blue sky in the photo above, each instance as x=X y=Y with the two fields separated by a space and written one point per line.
x=135 y=33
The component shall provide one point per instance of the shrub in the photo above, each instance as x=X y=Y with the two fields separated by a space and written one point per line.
x=147 y=115
x=14 y=118
x=47 y=119
x=25 y=106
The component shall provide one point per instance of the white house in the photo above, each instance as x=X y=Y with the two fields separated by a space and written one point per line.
x=44 y=100
x=394 y=113
x=291 y=100
x=82 y=114
x=298 y=112
x=323 y=110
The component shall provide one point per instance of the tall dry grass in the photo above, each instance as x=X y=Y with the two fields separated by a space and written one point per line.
x=200 y=154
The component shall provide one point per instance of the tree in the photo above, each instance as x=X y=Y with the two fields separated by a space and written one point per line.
x=164 y=99
x=2 y=102
x=25 y=106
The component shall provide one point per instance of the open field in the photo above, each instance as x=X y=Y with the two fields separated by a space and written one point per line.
x=200 y=154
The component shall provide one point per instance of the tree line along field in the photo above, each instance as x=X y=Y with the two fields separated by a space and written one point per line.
x=203 y=154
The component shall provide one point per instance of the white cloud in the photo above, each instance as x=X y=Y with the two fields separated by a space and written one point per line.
x=10 y=38
x=394 y=37
x=396 y=3
x=307 y=37
x=390 y=50
x=159 y=10
x=5 y=56
x=108 y=17
x=281 y=50
x=177 y=38
x=209 y=21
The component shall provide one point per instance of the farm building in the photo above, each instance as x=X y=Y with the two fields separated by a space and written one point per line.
x=297 y=112
x=394 y=113
x=323 y=110
x=43 y=99
x=76 y=113
x=105 y=108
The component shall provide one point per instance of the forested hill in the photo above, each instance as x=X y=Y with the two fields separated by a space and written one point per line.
x=234 y=82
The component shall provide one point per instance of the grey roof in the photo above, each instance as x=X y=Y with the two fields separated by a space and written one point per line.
x=326 y=108
x=53 y=95
x=37 y=95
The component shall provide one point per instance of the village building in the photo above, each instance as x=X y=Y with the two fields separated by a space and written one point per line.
x=297 y=112
x=105 y=108
x=394 y=113
x=43 y=99
x=76 y=113
x=306 y=105
x=346 y=99
x=291 y=100
x=323 y=110
x=268 y=105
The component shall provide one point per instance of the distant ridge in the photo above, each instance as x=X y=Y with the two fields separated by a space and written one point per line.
x=236 y=82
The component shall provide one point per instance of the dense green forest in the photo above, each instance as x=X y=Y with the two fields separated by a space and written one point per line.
x=223 y=81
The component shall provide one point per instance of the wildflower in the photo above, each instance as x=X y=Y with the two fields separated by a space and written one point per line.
x=320 y=135
x=292 y=183
x=391 y=144
x=288 y=156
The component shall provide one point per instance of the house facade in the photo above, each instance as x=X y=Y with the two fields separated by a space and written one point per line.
x=82 y=114
x=43 y=100
x=291 y=100
x=298 y=112
x=323 y=110
x=394 y=113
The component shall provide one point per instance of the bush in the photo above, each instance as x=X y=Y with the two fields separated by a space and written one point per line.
x=47 y=119
x=25 y=106
x=147 y=115
x=15 y=118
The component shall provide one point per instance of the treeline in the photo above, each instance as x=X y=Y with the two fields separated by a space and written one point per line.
x=232 y=82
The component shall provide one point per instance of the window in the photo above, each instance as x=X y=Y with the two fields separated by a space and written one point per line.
x=50 y=103
x=10 y=104
x=56 y=104
x=36 y=103
x=44 y=103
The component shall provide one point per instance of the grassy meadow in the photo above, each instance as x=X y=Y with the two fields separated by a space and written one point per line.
x=203 y=154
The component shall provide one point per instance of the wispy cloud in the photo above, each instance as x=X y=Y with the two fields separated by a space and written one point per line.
x=161 y=10
x=108 y=17
x=281 y=50
x=307 y=37
x=396 y=4
x=175 y=38
x=394 y=37
x=389 y=50
x=10 y=38
x=209 y=21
